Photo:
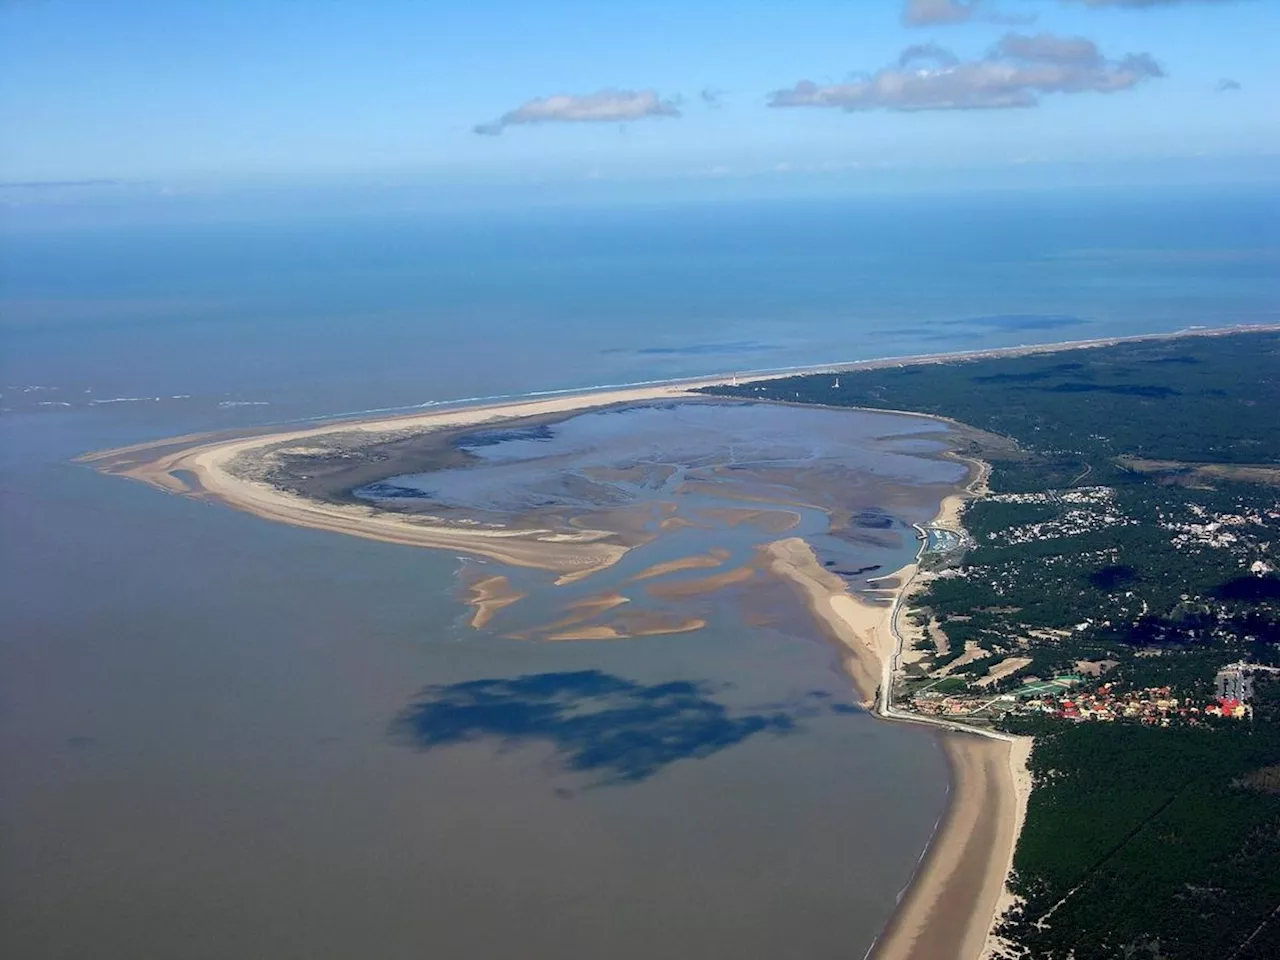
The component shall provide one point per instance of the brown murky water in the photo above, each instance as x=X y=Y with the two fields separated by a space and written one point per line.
x=228 y=738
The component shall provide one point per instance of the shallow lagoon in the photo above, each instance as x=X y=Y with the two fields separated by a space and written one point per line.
x=701 y=485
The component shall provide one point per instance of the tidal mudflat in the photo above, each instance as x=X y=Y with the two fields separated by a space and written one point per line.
x=692 y=491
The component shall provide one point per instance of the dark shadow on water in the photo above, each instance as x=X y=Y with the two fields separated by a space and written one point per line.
x=617 y=730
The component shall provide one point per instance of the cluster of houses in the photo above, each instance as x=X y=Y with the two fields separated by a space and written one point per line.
x=1223 y=530
x=1086 y=509
x=1153 y=705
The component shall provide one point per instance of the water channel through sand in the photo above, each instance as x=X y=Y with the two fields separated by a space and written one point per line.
x=696 y=492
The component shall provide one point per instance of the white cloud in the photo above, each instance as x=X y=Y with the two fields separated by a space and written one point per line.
x=1047 y=46
x=1016 y=73
x=923 y=13
x=606 y=106
x=931 y=13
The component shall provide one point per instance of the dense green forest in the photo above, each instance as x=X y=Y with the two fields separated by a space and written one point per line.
x=1150 y=842
x=1206 y=399
x=1133 y=519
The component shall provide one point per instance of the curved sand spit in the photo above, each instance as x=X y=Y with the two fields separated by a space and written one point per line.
x=205 y=467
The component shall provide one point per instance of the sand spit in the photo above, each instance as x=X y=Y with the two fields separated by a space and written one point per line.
x=683 y=589
x=701 y=561
x=489 y=596
x=205 y=467
x=862 y=626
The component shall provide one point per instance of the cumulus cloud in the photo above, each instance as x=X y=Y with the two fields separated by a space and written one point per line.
x=1016 y=73
x=926 y=13
x=931 y=13
x=606 y=106
x=919 y=53
x=1226 y=84
x=1048 y=47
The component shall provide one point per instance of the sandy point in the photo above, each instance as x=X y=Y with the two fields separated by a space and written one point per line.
x=205 y=467
x=862 y=627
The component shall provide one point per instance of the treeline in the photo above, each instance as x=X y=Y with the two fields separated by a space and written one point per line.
x=1147 y=842
x=1193 y=399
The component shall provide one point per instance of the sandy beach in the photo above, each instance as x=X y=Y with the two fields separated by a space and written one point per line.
x=959 y=890
x=949 y=907
x=862 y=628
x=205 y=469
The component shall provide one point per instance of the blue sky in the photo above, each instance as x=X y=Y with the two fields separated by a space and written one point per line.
x=178 y=92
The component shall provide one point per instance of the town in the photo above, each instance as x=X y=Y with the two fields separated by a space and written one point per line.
x=1067 y=697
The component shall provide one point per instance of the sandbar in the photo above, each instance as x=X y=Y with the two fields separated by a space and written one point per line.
x=682 y=589
x=698 y=561
x=490 y=595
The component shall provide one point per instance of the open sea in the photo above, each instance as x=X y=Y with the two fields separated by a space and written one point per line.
x=221 y=737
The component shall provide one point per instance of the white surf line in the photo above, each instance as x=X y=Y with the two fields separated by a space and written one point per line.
x=836 y=366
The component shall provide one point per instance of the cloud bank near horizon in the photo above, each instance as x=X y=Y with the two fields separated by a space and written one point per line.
x=932 y=13
x=604 y=106
x=1147 y=3
x=1016 y=73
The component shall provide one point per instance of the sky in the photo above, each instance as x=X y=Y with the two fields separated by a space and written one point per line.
x=174 y=94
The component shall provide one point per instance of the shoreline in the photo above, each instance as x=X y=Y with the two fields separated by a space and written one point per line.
x=197 y=465
x=407 y=415
x=958 y=890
